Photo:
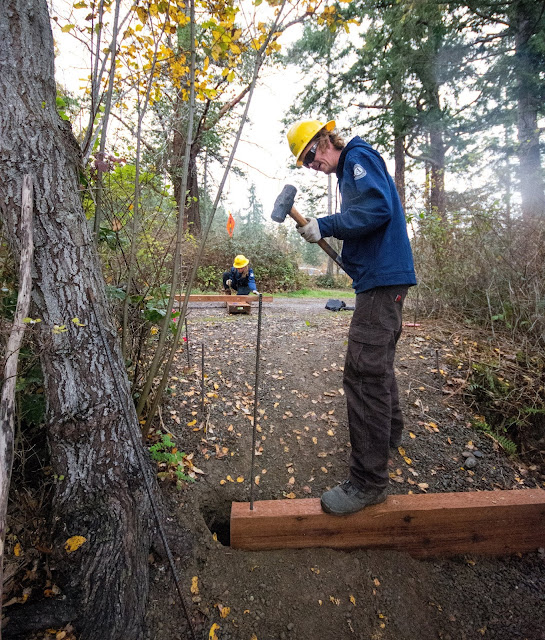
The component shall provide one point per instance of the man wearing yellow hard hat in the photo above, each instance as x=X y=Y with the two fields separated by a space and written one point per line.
x=378 y=257
x=240 y=277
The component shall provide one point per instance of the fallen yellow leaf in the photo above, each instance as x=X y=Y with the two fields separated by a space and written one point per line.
x=17 y=550
x=212 y=633
x=195 y=585
x=74 y=543
x=240 y=479
x=353 y=600
x=225 y=611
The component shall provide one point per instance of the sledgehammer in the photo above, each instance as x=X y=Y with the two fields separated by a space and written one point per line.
x=283 y=207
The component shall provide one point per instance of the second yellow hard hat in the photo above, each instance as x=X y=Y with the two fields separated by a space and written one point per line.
x=240 y=261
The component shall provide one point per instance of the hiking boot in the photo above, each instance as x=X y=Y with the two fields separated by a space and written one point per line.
x=347 y=498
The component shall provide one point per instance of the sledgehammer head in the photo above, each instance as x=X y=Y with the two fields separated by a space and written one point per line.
x=284 y=203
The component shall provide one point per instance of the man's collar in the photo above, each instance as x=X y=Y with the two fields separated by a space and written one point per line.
x=340 y=164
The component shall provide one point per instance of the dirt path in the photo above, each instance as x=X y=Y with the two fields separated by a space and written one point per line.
x=303 y=450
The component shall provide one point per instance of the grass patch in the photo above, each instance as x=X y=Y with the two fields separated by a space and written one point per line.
x=342 y=294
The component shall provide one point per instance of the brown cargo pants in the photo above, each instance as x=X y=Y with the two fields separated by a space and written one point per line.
x=372 y=398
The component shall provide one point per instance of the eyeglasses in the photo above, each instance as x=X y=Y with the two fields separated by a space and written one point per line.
x=311 y=154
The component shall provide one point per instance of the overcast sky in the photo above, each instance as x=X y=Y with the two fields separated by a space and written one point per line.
x=263 y=151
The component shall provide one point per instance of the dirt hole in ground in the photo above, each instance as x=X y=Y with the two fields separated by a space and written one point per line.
x=217 y=517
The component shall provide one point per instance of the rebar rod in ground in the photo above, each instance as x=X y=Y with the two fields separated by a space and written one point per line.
x=187 y=345
x=202 y=378
x=256 y=391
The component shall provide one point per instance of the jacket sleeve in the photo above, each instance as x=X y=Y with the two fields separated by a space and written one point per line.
x=251 y=280
x=367 y=199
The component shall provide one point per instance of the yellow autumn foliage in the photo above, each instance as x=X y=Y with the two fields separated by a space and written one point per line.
x=74 y=543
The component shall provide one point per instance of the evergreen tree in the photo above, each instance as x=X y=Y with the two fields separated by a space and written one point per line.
x=253 y=222
x=410 y=61
x=511 y=38
x=318 y=53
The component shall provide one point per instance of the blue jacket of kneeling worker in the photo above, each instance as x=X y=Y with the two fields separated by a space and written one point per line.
x=240 y=277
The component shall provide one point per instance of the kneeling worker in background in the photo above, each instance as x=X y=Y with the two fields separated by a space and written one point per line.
x=240 y=277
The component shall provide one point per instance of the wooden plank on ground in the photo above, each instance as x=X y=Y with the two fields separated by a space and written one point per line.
x=224 y=298
x=424 y=525
x=239 y=307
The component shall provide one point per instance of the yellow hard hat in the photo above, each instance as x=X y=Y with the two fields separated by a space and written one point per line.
x=240 y=262
x=302 y=132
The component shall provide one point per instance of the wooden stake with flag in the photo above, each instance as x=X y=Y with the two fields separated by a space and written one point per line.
x=230 y=225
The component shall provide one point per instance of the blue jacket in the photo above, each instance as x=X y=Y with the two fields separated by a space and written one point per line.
x=242 y=282
x=376 y=248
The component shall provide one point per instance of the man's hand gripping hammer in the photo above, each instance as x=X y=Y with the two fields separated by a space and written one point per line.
x=283 y=207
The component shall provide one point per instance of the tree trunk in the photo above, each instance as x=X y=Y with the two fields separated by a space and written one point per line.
x=7 y=396
x=528 y=105
x=437 y=185
x=399 y=157
x=102 y=494
x=192 y=205
x=191 y=213
x=399 y=106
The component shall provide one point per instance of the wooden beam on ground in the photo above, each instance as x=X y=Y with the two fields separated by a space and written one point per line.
x=239 y=307
x=224 y=298
x=423 y=525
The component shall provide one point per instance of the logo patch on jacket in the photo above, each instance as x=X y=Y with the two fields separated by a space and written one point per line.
x=359 y=172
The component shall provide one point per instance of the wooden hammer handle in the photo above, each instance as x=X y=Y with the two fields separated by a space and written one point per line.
x=302 y=221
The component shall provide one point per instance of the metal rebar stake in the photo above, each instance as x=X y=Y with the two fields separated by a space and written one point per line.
x=187 y=345
x=202 y=377
x=256 y=391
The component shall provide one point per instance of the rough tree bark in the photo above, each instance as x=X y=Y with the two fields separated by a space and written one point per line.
x=399 y=157
x=437 y=188
x=7 y=405
x=102 y=496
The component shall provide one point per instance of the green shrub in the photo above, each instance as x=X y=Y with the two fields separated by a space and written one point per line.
x=274 y=263
x=169 y=459
x=328 y=281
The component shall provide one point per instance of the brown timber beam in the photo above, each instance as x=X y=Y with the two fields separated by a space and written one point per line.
x=239 y=307
x=440 y=524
